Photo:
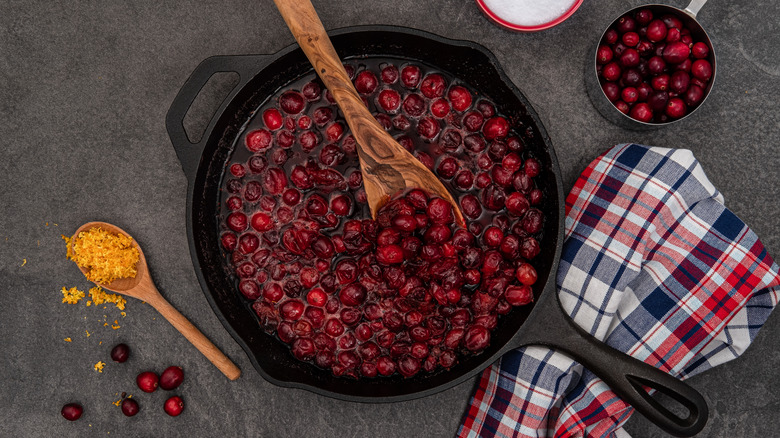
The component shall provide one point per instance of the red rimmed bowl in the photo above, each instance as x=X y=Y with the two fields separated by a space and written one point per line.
x=502 y=21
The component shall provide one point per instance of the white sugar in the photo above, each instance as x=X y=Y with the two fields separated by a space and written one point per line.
x=529 y=12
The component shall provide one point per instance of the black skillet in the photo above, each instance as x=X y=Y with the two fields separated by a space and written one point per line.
x=542 y=323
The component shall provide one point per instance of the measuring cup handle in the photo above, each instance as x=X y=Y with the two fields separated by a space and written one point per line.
x=694 y=7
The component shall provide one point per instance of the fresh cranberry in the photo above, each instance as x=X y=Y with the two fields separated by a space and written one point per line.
x=700 y=50
x=679 y=82
x=702 y=69
x=660 y=83
x=72 y=411
x=676 y=108
x=611 y=36
x=604 y=55
x=171 y=378
x=174 y=406
x=147 y=381
x=644 y=16
x=129 y=407
x=611 y=71
x=630 y=95
x=676 y=52
x=630 y=39
x=120 y=353
x=611 y=90
x=694 y=95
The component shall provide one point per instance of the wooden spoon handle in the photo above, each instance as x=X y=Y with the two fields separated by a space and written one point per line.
x=306 y=27
x=198 y=339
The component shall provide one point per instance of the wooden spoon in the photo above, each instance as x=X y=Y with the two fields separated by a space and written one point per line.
x=387 y=167
x=142 y=287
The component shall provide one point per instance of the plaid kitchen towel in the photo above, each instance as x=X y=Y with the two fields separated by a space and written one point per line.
x=654 y=265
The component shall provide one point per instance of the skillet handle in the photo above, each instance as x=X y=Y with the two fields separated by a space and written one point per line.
x=625 y=375
x=189 y=153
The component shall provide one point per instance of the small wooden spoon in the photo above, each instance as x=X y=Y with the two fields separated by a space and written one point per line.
x=142 y=287
x=387 y=167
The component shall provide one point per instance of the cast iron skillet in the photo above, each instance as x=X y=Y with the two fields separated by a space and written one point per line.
x=542 y=323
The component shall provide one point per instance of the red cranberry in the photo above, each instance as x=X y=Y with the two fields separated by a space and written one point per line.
x=129 y=407
x=433 y=86
x=312 y=91
x=322 y=115
x=518 y=295
x=472 y=121
x=171 y=378
x=72 y=411
x=147 y=381
x=656 y=65
x=660 y=83
x=679 y=82
x=120 y=353
x=631 y=77
x=642 y=112
x=611 y=72
x=352 y=295
x=495 y=127
x=476 y=338
x=630 y=39
x=604 y=54
x=273 y=119
x=626 y=24
x=334 y=131
x=685 y=65
x=440 y=107
x=676 y=52
x=410 y=76
x=174 y=406
x=389 y=74
x=390 y=255
x=428 y=127
x=672 y=22
x=656 y=31
x=292 y=102
x=622 y=107
x=700 y=50
x=644 y=16
x=702 y=69
x=694 y=95
x=366 y=82
x=611 y=36
x=658 y=100
x=611 y=90
x=673 y=35
x=676 y=108
x=258 y=140
x=460 y=98
x=389 y=100
x=630 y=95
x=414 y=105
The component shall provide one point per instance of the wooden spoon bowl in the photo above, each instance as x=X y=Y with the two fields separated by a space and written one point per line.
x=387 y=167
x=142 y=287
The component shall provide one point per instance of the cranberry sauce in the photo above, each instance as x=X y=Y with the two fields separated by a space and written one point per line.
x=410 y=291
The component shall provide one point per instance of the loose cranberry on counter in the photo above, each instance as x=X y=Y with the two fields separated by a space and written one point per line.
x=72 y=411
x=174 y=406
x=147 y=381
x=129 y=407
x=120 y=353
x=171 y=378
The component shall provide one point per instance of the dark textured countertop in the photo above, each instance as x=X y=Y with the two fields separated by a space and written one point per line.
x=84 y=89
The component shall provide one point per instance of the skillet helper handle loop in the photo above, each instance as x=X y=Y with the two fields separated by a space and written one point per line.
x=196 y=337
x=189 y=153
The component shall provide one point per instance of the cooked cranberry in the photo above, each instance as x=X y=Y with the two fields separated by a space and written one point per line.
x=410 y=76
x=517 y=204
x=389 y=100
x=440 y=211
x=120 y=353
x=171 y=378
x=476 y=338
x=334 y=131
x=174 y=406
x=495 y=127
x=473 y=120
x=352 y=295
x=389 y=74
x=532 y=222
x=428 y=127
x=433 y=86
x=440 y=107
x=312 y=91
x=147 y=381
x=292 y=102
x=258 y=140
x=229 y=241
x=366 y=82
x=72 y=411
x=493 y=197
x=129 y=407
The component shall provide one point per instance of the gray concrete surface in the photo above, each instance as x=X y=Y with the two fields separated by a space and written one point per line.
x=84 y=88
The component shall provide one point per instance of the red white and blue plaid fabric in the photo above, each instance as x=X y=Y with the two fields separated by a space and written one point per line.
x=653 y=264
